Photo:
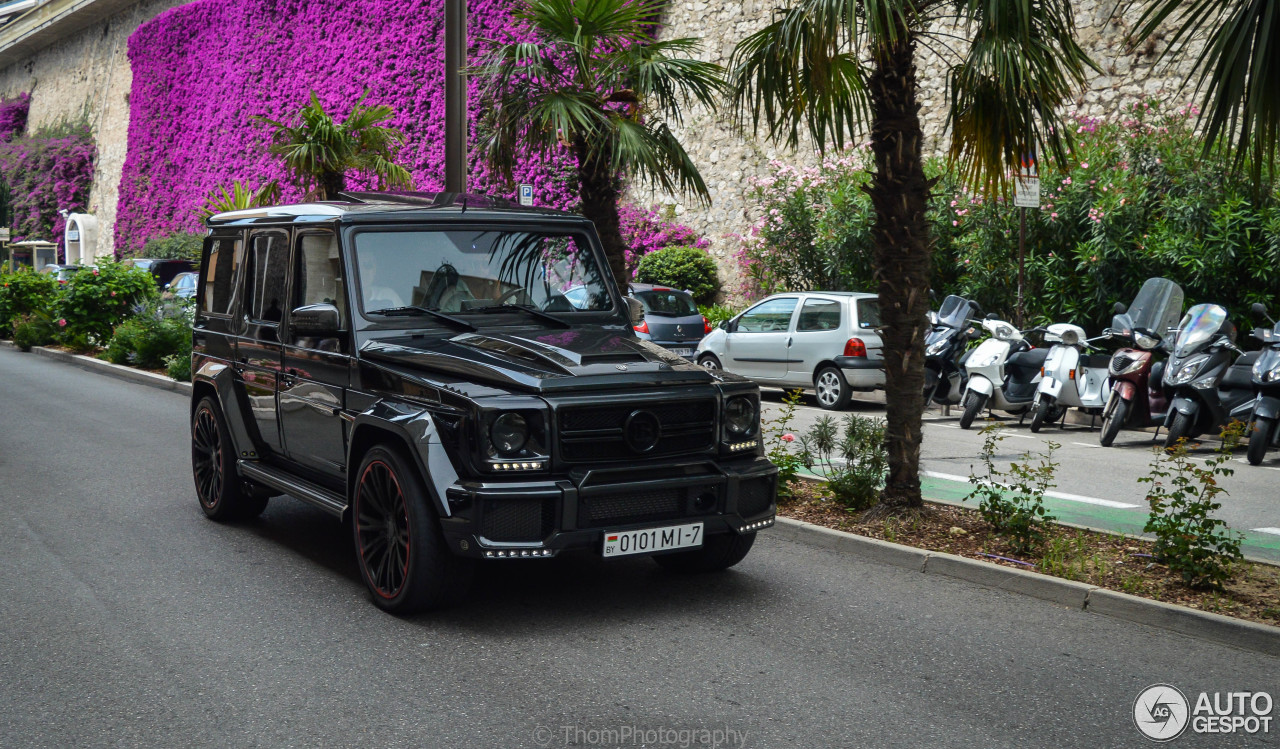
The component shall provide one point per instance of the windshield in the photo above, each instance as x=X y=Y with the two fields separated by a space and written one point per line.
x=461 y=271
x=954 y=311
x=1157 y=305
x=666 y=303
x=1201 y=323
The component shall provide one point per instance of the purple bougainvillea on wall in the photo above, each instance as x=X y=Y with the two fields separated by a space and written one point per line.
x=43 y=173
x=201 y=71
x=13 y=115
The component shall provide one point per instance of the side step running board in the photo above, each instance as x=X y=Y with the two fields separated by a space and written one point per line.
x=329 y=501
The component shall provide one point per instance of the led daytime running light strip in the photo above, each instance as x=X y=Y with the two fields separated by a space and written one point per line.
x=756 y=525
x=537 y=465
x=736 y=446
x=518 y=554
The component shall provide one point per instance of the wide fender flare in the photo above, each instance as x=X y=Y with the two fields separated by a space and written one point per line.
x=420 y=436
x=221 y=377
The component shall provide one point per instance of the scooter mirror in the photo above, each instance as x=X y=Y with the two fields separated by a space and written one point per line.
x=992 y=316
x=1259 y=310
x=1119 y=308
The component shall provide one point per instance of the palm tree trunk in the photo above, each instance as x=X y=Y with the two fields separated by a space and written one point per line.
x=599 y=195
x=899 y=193
x=332 y=183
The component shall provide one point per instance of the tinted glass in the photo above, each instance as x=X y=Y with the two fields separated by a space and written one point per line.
x=868 y=313
x=218 y=292
x=819 y=314
x=318 y=274
x=465 y=270
x=767 y=317
x=667 y=303
x=268 y=268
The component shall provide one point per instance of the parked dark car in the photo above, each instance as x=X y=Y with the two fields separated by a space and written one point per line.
x=163 y=270
x=411 y=363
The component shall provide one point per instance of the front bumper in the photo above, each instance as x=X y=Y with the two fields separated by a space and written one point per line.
x=539 y=519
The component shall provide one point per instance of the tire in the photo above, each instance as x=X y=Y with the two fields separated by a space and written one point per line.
x=1260 y=440
x=717 y=553
x=973 y=403
x=400 y=549
x=709 y=361
x=1179 y=429
x=223 y=496
x=1113 y=422
x=831 y=390
x=1041 y=414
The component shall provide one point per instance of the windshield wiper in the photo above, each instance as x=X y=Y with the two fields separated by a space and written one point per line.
x=523 y=308
x=456 y=322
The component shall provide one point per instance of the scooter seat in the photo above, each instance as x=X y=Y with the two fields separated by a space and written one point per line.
x=1240 y=374
x=1027 y=361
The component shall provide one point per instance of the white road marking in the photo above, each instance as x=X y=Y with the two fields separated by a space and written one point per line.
x=1019 y=436
x=1055 y=495
x=1086 y=444
x=1273 y=531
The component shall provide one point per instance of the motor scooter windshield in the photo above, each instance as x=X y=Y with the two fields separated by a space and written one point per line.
x=1201 y=323
x=954 y=312
x=1156 y=307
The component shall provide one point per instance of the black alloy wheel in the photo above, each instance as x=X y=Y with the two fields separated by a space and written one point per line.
x=382 y=529
x=221 y=493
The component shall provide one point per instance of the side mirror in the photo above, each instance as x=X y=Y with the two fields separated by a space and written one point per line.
x=636 y=310
x=1260 y=310
x=168 y=286
x=992 y=316
x=1119 y=308
x=315 y=319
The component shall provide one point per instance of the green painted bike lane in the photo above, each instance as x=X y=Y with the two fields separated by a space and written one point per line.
x=1261 y=546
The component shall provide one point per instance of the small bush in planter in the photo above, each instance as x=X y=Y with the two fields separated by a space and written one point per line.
x=148 y=339
x=35 y=329
x=95 y=301
x=24 y=293
x=688 y=268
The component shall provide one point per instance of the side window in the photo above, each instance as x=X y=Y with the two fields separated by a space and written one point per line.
x=217 y=292
x=819 y=314
x=317 y=279
x=868 y=313
x=266 y=274
x=768 y=317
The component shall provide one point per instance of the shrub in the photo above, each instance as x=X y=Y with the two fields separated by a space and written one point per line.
x=779 y=443
x=178 y=366
x=717 y=313
x=177 y=246
x=648 y=230
x=850 y=456
x=687 y=268
x=1183 y=497
x=23 y=293
x=93 y=302
x=35 y=329
x=150 y=339
x=1012 y=501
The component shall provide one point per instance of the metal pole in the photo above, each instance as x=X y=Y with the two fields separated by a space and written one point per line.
x=455 y=96
x=1022 y=254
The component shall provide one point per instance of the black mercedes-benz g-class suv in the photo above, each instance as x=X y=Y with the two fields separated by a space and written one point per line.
x=414 y=364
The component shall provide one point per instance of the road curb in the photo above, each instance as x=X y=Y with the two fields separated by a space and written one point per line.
x=114 y=370
x=1225 y=630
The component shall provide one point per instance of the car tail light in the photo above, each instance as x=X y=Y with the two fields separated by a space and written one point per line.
x=855 y=347
x=643 y=327
x=706 y=324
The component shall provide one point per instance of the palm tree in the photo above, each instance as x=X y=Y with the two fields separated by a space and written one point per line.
x=319 y=152
x=594 y=79
x=1241 y=110
x=834 y=68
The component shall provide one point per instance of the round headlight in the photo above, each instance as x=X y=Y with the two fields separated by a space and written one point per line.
x=509 y=433
x=740 y=416
x=1070 y=337
x=1147 y=342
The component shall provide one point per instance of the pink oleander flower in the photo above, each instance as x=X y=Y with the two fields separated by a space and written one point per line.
x=62 y=322
x=788 y=437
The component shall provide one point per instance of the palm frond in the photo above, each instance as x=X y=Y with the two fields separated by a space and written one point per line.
x=654 y=153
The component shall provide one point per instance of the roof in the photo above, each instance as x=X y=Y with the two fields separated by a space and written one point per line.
x=376 y=206
x=851 y=294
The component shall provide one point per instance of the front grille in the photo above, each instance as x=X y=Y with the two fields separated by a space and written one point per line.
x=1120 y=362
x=517 y=519
x=633 y=507
x=596 y=432
x=755 y=496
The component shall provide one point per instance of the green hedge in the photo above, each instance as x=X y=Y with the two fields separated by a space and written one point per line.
x=688 y=268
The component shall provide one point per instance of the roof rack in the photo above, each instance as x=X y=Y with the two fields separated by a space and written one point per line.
x=432 y=199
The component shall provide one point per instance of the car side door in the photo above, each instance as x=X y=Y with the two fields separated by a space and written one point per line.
x=819 y=336
x=316 y=359
x=756 y=344
x=258 y=347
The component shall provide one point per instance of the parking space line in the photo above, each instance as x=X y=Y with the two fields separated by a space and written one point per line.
x=1055 y=495
x=1086 y=444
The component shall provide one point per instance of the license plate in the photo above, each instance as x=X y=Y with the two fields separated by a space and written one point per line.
x=686 y=352
x=649 y=540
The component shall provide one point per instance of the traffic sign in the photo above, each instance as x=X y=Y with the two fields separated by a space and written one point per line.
x=526 y=194
x=1026 y=186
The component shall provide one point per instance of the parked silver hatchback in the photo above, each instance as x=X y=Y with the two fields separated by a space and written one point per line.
x=821 y=340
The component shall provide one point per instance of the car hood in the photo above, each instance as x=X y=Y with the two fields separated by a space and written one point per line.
x=542 y=360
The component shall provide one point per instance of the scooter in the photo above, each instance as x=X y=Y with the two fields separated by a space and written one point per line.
x=1072 y=377
x=1137 y=397
x=1266 y=383
x=1004 y=372
x=945 y=347
x=1210 y=386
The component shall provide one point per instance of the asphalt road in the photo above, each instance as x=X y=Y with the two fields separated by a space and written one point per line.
x=127 y=618
x=1103 y=482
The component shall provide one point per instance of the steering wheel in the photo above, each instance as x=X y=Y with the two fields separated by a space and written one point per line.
x=528 y=298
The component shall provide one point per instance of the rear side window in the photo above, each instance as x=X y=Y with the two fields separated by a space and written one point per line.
x=318 y=275
x=868 y=313
x=218 y=291
x=819 y=314
x=266 y=273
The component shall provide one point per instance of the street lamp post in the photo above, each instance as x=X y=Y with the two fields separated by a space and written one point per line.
x=455 y=96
